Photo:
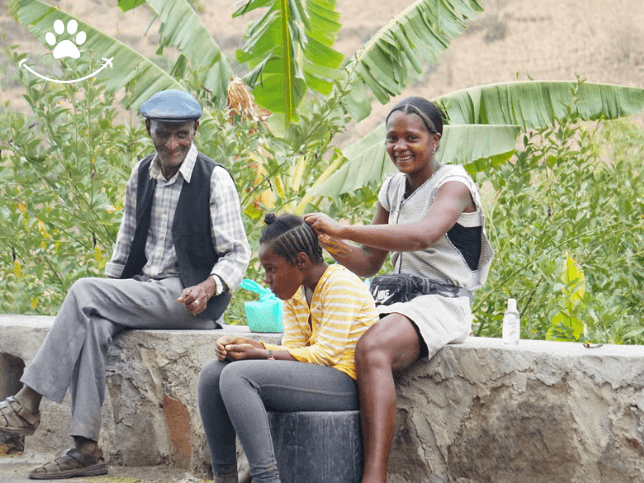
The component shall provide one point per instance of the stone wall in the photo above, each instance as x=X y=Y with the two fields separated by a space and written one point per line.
x=537 y=412
x=478 y=412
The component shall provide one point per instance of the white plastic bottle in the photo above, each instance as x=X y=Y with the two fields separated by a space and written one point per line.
x=511 y=323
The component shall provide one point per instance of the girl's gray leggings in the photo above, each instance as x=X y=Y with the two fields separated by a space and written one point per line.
x=234 y=397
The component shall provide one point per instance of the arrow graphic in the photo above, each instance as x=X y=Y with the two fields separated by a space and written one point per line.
x=105 y=64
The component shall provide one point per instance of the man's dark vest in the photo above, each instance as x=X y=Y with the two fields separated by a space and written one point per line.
x=191 y=230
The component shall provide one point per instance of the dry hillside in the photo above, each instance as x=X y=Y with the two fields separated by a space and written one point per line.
x=546 y=39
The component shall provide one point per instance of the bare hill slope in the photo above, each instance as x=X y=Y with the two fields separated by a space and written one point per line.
x=547 y=40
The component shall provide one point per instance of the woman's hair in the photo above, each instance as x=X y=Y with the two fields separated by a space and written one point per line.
x=289 y=235
x=431 y=115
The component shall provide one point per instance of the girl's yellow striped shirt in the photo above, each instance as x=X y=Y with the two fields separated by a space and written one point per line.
x=341 y=310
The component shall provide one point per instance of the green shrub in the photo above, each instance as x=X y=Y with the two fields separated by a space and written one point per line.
x=566 y=223
x=63 y=176
x=559 y=198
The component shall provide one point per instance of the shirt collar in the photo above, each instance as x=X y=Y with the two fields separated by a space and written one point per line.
x=300 y=295
x=185 y=169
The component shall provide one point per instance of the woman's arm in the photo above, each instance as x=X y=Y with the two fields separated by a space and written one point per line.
x=364 y=260
x=452 y=199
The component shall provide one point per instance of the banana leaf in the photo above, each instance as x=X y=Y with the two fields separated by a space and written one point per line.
x=126 y=5
x=182 y=28
x=289 y=50
x=537 y=104
x=127 y=63
x=419 y=33
x=509 y=108
x=475 y=146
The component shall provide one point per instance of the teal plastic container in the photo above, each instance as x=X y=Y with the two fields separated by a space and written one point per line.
x=264 y=315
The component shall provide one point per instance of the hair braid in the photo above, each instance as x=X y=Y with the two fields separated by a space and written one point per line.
x=289 y=235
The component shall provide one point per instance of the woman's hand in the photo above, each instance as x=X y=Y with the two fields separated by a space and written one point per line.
x=324 y=224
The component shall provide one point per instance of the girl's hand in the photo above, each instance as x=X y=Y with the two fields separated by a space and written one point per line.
x=221 y=346
x=239 y=352
x=322 y=223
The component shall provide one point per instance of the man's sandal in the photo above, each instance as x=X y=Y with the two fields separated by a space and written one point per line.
x=72 y=463
x=15 y=419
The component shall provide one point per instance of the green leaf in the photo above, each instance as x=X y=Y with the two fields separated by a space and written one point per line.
x=127 y=63
x=534 y=105
x=507 y=108
x=289 y=50
x=182 y=27
x=179 y=67
x=126 y=5
x=419 y=33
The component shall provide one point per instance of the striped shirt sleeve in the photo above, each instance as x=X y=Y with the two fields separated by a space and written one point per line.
x=229 y=236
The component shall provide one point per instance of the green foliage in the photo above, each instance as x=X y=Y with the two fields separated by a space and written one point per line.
x=483 y=123
x=421 y=32
x=560 y=198
x=64 y=169
x=289 y=50
x=272 y=173
x=130 y=66
x=63 y=176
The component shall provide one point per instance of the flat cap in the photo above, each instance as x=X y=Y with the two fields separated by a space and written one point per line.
x=171 y=106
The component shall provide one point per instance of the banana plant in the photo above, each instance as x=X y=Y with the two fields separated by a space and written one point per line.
x=180 y=27
x=128 y=65
x=289 y=50
x=421 y=32
x=484 y=122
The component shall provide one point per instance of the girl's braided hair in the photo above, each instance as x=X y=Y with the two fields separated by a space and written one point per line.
x=289 y=235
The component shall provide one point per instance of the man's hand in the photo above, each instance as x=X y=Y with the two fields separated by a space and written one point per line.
x=196 y=298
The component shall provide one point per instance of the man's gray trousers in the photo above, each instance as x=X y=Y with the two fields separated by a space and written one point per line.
x=74 y=352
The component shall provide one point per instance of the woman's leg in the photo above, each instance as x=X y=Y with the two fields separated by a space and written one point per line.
x=390 y=345
x=249 y=387
x=220 y=433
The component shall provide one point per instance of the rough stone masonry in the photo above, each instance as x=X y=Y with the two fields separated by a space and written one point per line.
x=478 y=412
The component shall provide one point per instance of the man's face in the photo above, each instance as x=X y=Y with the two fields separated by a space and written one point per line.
x=172 y=141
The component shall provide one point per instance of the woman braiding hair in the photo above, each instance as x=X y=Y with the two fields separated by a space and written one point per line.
x=430 y=220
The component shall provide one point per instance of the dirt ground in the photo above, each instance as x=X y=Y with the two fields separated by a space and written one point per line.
x=118 y=474
x=513 y=39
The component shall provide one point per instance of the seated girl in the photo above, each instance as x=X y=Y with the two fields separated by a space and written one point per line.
x=326 y=310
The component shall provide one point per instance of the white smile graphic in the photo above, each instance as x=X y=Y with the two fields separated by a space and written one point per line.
x=66 y=48
x=105 y=64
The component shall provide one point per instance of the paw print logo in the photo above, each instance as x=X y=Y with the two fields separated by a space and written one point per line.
x=66 y=48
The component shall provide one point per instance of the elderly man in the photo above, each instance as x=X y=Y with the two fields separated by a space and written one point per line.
x=180 y=251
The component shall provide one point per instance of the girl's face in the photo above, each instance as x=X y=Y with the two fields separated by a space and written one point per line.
x=283 y=277
x=409 y=143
